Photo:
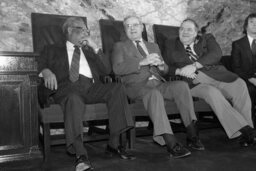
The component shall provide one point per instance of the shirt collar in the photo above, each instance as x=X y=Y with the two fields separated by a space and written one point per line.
x=70 y=46
x=250 y=39
x=141 y=41
x=191 y=45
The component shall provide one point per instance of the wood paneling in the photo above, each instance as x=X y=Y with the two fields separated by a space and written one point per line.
x=18 y=109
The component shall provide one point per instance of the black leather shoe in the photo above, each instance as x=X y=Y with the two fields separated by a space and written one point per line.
x=83 y=164
x=252 y=137
x=248 y=139
x=120 y=151
x=243 y=141
x=178 y=151
x=195 y=143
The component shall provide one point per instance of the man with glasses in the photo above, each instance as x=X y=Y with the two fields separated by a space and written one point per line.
x=196 y=58
x=71 y=73
x=141 y=66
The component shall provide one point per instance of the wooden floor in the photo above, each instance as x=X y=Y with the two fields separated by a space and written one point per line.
x=221 y=154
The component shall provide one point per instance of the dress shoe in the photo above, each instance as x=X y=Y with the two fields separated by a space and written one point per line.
x=120 y=151
x=248 y=138
x=195 y=143
x=243 y=141
x=178 y=151
x=83 y=164
x=252 y=137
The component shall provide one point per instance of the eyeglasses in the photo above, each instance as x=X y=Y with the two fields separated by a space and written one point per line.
x=188 y=30
x=82 y=29
x=132 y=25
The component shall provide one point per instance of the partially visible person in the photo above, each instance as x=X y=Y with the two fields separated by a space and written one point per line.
x=244 y=58
x=141 y=66
x=71 y=74
x=196 y=59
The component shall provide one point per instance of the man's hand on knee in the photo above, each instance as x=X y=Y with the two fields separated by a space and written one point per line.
x=50 y=80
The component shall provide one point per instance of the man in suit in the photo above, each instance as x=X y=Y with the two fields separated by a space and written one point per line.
x=71 y=74
x=244 y=57
x=196 y=59
x=140 y=64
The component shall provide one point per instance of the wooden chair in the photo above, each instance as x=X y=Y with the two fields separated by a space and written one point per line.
x=46 y=29
x=163 y=32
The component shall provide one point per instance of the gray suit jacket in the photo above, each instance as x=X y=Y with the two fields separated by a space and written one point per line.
x=125 y=62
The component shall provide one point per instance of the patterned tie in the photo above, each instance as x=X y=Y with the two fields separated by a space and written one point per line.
x=254 y=47
x=193 y=57
x=153 y=69
x=74 y=68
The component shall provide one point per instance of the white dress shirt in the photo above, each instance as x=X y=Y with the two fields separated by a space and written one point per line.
x=250 y=40
x=142 y=44
x=84 y=68
x=192 y=47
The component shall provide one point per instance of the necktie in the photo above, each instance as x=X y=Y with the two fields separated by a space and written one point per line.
x=193 y=57
x=74 y=67
x=140 y=49
x=254 y=47
x=153 y=70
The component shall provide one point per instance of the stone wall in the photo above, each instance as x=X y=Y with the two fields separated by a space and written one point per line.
x=224 y=18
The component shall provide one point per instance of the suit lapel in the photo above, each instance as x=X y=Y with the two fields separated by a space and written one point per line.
x=65 y=60
x=89 y=56
x=246 y=46
x=133 y=49
x=198 y=46
x=180 y=51
x=148 y=47
x=180 y=47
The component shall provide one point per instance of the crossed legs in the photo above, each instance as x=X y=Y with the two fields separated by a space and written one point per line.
x=232 y=118
x=73 y=105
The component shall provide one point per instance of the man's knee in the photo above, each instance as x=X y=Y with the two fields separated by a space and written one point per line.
x=182 y=85
x=153 y=94
x=211 y=93
x=73 y=98
x=179 y=89
x=153 y=98
x=72 y=106
x=241 y=83
x=239 y=88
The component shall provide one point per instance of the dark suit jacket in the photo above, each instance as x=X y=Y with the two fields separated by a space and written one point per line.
x=55 y=58
x=125 y=62
x=242 y=59
x=209 y=54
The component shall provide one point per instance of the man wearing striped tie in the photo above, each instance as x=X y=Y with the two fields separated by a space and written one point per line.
x=141 y=66
x=197 y=60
